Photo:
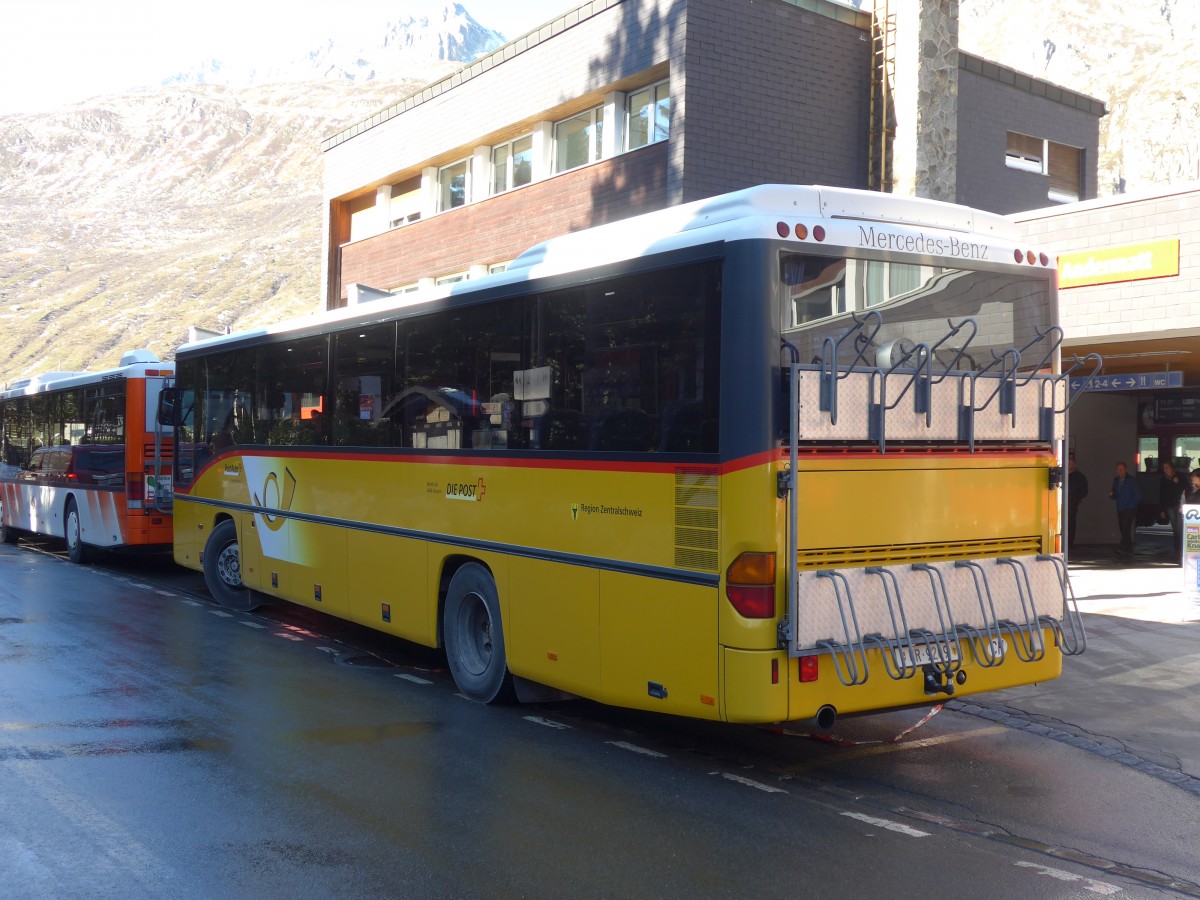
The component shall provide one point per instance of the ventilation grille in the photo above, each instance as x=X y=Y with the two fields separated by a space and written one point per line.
x=903 y=554
x=696 y=545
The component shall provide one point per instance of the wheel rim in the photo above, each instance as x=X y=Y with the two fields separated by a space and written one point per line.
x=73 y=529
x=229 y=565
x=475 y=626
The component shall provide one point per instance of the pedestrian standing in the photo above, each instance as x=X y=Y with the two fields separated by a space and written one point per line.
x=1077 y=489
x=1171 y=488
x=1192 y=495
x=1127 y=496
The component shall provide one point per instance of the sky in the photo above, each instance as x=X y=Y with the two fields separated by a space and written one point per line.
x=56 y=52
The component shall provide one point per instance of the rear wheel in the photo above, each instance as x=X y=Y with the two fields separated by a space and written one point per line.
x=475 y=637
x=223 y=569
x=76 y=551
x=7 y=535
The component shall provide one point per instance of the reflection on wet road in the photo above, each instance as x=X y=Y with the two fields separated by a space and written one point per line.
x=153 y=744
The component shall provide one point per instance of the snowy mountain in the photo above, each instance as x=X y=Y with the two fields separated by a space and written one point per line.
x=388 y=50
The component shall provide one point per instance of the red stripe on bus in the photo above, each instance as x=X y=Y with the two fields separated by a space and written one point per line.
x=728 y=467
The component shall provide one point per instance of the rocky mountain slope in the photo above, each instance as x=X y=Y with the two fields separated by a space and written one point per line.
x=129 y=218
x=1138 y=56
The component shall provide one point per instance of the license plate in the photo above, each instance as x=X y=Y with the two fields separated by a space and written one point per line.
x=921 y=655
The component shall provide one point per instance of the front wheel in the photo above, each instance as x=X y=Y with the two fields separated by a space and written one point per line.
x=223 y=569
x=475 y=637
x=76 y=551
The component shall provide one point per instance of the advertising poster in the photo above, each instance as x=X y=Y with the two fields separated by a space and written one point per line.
x=1191 y=557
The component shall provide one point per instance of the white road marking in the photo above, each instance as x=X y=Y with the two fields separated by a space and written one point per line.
x=253 y=625
x=636 y=749
x=192 y=602
x=166 y=594
x=413 y=678
x=885 y=823
x=750 y=782
x=221 y=613
x=288 y=637
x=538 y=720
x=138 y=584
x=1089 y=884
x=332 y=650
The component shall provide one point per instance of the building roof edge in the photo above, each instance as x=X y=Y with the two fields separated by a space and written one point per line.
x=1150 y=194
x=1037 y=86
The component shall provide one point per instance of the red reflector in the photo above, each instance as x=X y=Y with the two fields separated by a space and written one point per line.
x=819 y=232
x=1044 y=259
x=752 y=601
x=802 y=232
x=1018 y=256
x=782 y=229
x=808 y=668
x=135 y=486
x=152 y=372
x=774 y=671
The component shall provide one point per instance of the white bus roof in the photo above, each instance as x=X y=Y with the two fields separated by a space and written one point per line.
x=849 y=219
x=135 y=363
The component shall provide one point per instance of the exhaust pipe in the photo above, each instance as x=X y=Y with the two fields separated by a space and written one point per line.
x=824 y=720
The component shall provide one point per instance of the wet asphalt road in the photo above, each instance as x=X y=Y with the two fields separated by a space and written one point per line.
x=155 y=745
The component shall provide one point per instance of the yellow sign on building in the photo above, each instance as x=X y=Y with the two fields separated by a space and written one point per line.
x=1131 y=262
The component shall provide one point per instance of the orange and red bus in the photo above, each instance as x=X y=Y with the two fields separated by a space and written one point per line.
x=778 y=455
x=82 y=459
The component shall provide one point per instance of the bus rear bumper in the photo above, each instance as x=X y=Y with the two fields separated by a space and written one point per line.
x=764 y=686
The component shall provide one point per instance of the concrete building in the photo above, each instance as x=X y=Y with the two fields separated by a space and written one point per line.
x=1129 y=282
x=626 y=106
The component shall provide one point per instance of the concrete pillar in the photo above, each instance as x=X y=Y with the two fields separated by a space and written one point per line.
x=925 y=96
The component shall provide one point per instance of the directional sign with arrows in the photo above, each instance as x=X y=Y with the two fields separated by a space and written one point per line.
x=1135 y=381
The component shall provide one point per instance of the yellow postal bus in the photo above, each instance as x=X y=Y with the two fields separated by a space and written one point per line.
x=776 y=455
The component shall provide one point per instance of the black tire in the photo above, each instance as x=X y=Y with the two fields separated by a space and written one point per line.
x=7 y=535
x=474 y=637
x=77 y=551
x=223 y=569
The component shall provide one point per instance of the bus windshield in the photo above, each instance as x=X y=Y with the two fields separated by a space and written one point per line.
x=917 y=303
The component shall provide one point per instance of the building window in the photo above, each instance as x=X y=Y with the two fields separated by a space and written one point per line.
x=512 y=164
x=1062 y=164
x=405 y=206
x=577 y=141
x=1065 y=167
x=452 y=185
x=497 y=268
x=451 y=279
x=649 y=116
x=1024 y=152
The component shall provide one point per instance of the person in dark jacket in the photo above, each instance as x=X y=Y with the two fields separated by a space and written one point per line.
x=1077 y=489
x=1192 y=495
x=1127 y=495
x=1171 y=488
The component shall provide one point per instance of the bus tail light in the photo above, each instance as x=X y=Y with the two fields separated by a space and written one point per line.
x=135 y=489
x=809 y=669
x=750 y=585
